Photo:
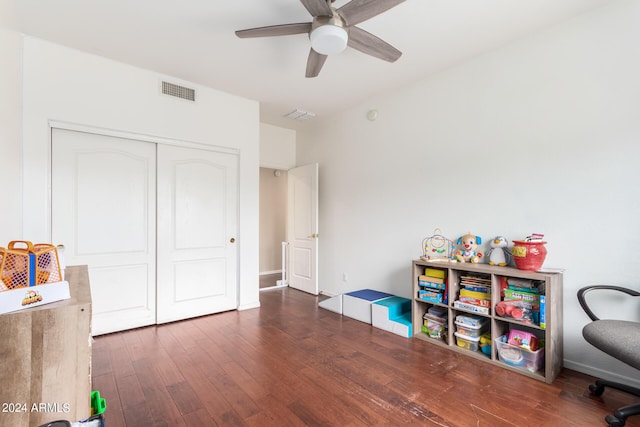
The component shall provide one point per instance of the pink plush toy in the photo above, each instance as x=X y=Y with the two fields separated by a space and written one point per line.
x=468 y=249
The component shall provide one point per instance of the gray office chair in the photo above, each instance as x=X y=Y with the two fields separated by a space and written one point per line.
x=619 y=339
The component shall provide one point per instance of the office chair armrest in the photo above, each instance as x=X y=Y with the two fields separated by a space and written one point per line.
x=583 y=303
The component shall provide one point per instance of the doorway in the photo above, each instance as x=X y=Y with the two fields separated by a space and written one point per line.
x=273 y=227
x=296 y=211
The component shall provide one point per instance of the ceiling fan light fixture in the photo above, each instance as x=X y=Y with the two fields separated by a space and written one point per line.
x=329 y=39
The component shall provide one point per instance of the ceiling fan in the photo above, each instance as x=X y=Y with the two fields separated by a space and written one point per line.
x=332 y=30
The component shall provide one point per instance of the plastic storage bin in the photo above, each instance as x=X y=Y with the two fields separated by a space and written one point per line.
x=470 y=331
x=472 y=321
x=521 y=358
x=435 y=330
x=435 y=322
x=466 y=342
x=434 y=327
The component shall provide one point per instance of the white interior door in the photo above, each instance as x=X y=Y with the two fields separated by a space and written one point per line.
x=197 y=232
x=103 y=211
x=302 y=228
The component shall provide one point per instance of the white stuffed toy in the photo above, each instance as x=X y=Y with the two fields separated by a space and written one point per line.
x=499 y=254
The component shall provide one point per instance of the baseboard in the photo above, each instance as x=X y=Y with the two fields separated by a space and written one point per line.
x=249 y=306
x=279 y=285
x=600 y=373
x=268 y=273
x=327 y=294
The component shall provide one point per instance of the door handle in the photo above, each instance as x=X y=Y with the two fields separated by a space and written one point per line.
x=314 y=236
x=232 y=240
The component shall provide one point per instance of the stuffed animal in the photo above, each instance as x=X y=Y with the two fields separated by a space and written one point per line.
x=499 y=254
x=468 y=249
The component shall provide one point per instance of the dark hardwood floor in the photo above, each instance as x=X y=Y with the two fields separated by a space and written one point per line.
x=291 y=363
x=269 y=280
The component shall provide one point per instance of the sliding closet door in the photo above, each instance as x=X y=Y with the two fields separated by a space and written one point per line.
x=103 y=211
x=197 y=232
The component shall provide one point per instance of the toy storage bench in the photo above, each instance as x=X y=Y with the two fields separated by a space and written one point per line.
x=497 y=314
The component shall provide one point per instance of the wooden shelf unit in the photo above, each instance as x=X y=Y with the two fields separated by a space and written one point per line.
x=552 y=333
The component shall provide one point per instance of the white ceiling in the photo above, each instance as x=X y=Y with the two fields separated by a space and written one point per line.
x=194 y=40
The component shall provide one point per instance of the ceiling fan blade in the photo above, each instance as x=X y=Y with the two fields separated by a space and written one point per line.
x=275 y=30
x=367 y=43
x=314 y=63
x=317 y=7
x=357 y=11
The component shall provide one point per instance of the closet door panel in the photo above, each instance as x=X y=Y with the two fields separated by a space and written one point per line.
x=197 y=232
x=103 y=199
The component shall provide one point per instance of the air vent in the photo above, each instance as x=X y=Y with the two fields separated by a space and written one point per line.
x=300 y=115
x=178 y=91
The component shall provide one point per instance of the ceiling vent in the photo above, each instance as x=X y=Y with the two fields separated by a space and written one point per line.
x=178 y=91
x=300 y=115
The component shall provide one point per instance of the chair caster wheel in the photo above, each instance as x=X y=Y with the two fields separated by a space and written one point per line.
x=596 y=389
x=613 y=421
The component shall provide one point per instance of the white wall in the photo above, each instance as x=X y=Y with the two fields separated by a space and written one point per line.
x=62 y=84
x=539 y=136
x=277 y=147
x=8 y=16
x=10 y=131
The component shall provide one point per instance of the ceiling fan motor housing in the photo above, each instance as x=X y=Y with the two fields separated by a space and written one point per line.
x=328 y=34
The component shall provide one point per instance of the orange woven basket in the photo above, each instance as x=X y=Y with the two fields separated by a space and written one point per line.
x=24 y=264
